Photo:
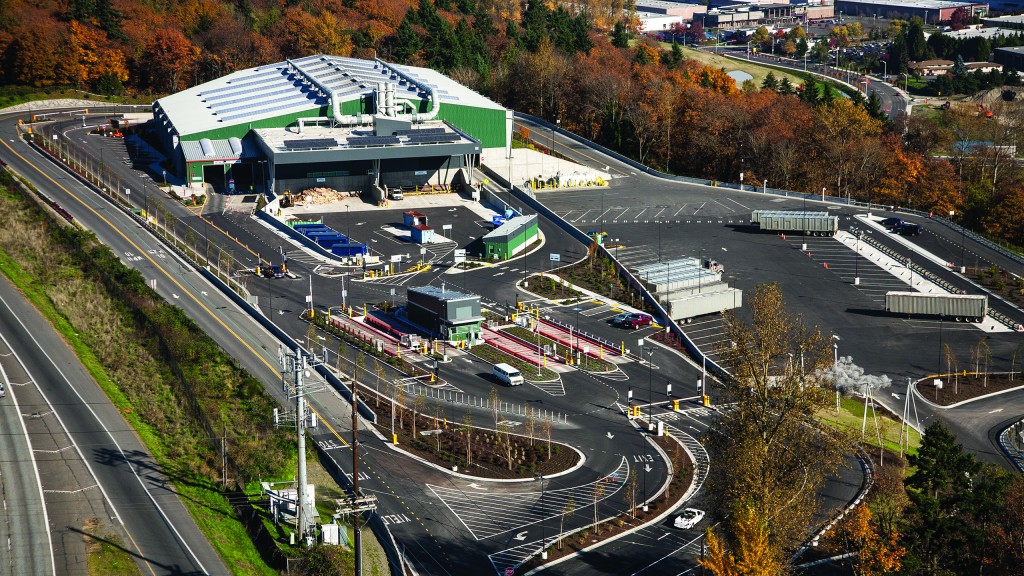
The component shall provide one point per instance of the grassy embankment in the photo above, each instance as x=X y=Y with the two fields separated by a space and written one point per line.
x=851 y=416
x=171 y=382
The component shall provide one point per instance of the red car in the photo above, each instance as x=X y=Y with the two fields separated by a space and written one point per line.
x=632 y=320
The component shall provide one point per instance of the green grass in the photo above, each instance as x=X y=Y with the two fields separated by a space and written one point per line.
x=850 y=418
x=108 y=557
x=530 y=371
x=759 y=72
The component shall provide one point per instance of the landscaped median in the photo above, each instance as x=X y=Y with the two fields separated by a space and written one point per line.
x=486 y=449
x=587 y=362
x=530 y=372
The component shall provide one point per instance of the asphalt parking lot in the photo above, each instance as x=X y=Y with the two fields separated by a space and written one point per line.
x=713 y=224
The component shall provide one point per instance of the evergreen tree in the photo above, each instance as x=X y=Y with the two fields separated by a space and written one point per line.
x=959 y=68
x=406 y=42
x=917 y=48
x=785 y=86
x=801 y=47
x=770 y=82
x=620 y=35
x=677 y=54
x=874 y=106
x=827 y=96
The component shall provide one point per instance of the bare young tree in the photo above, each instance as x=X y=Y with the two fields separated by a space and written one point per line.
x=952 y=367
x=467 y=430
x=530 y=423
x=494 y=399
x=981 y=355
x=631 y=492
x=381 y=373
x=418 y=404
x=567 y=512
x=505 y=444
x=545 y=427
x=598 y=492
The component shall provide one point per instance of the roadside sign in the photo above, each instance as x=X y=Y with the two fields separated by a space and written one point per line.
x=555 y=257
x=460 y=255
x=510 y=571
x=396 y=257
x=446 y=227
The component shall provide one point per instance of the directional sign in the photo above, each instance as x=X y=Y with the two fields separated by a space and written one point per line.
x=460 y=255
x=446 y=227
x=396 y=257
x=555 y=257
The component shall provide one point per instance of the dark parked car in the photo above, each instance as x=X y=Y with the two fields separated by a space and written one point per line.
x=891 y=223
x=631 y=320
x=909 y=229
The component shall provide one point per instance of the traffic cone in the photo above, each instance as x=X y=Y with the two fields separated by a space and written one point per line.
x=826 y=265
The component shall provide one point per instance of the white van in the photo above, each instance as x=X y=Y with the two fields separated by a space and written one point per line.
x=508 y=375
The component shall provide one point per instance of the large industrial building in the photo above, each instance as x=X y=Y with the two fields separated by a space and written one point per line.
x=342 y=123
x=931 y=11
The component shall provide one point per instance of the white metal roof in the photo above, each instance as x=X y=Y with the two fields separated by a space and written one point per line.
x=273 y=90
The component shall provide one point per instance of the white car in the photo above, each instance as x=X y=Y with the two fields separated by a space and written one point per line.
x=689 y=518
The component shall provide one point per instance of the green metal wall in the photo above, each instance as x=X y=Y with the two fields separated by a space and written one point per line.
x=487 y=126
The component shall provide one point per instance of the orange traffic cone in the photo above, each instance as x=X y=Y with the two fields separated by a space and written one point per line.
x=826 y=265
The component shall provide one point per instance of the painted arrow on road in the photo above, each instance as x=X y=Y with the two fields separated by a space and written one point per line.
x=647 y=468
x=996 y=410
x=895 y=395
x=477 y=486
x=610 y=435
x=521 y=536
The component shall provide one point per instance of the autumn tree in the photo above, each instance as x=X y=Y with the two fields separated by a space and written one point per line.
x=876 y=554
x=170 y=59
x=749 y=552
x=772 y=457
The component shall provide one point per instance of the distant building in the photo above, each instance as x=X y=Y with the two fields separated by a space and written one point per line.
x=931 y=11
x=1010 y=57
x=444 y=314
x=511 y=238
x=940 y=67
x=1016 y=22
x=685 y=11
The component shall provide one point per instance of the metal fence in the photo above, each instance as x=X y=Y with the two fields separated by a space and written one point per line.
x=450 y=396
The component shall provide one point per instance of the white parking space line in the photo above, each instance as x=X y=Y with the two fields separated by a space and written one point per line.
x=678 y=211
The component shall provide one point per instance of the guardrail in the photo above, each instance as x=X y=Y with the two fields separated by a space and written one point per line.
x=1009 y=445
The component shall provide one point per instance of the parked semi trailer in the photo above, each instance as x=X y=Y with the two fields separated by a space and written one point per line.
x=806 y=223
x=959 y=307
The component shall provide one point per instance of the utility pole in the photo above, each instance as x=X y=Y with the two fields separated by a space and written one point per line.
x=298 y=364
x=356 y=504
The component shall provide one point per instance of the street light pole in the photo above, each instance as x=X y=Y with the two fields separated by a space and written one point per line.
x=650 y=403
x=963 y=233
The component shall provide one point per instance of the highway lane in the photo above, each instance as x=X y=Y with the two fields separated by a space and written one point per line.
x=24 y=524
x=111 y=460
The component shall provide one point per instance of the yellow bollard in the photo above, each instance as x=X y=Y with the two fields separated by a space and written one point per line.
x=364 y=309
x=394 y=439
x=601 y=352
x=622 y=347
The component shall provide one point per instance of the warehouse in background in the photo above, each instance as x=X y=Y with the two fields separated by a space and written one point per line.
x=323 y=120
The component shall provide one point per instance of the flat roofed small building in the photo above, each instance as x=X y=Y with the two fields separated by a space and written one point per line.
x=445 y=314
x=511 y=238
